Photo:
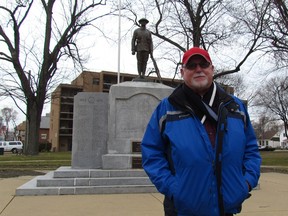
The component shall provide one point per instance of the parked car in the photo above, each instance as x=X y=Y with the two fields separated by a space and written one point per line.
x=266 y=148
x=13 y=146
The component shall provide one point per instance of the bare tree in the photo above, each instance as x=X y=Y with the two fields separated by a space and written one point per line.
x=237 y=81
x=270 y=17
x=276 y=31
x=274 y=97
x=31 y=64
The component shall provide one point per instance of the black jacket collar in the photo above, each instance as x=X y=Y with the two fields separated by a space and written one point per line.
x=184 y=99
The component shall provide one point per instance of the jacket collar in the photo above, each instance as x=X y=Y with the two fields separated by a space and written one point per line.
x=184 y=99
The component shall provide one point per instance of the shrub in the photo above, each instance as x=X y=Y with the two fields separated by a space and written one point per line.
x=45 y=147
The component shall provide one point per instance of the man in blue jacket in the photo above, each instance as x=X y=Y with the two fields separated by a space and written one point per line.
x=199 y=148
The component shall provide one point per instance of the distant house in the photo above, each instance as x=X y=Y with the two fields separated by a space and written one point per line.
x=43 y=131
x=269 y=139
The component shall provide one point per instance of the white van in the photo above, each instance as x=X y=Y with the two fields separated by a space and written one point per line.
x=13 y=146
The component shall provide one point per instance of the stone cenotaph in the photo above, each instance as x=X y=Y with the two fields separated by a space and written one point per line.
x=130 y=107
x=108 y=128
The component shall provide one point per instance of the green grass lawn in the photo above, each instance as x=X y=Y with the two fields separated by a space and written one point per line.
x=274 y=158
x=53 y=160
x=43 y=161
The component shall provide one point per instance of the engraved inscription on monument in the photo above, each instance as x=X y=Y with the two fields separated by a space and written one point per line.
x=136 y=160
x=90 y=126
x=138 y=110
x=136 y=147
x=136 y=163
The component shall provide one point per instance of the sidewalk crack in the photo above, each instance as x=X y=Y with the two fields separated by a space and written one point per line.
x=7 y=205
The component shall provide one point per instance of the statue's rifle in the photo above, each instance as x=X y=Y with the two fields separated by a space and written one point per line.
x=156 y=68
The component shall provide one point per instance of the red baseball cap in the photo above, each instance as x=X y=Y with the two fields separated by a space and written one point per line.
x=195 y=51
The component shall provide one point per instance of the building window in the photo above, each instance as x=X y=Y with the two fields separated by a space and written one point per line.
x=43 y=136
x=95 y=81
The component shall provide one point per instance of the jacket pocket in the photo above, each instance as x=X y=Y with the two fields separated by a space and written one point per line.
x=235 y=192
x=192 y=193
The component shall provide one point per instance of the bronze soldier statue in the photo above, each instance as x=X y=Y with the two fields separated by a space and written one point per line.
x=142 y=44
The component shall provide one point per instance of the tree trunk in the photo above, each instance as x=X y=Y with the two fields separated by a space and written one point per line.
x=31 y=146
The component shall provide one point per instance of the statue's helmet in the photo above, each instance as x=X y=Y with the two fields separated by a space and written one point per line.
x=143 y=20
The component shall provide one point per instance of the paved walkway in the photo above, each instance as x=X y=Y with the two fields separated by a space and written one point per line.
x=270 y=200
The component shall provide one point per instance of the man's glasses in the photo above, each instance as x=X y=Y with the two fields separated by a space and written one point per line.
x=192 y=65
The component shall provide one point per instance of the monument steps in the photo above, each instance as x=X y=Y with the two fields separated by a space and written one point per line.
x=62 y=182
x=68 y=181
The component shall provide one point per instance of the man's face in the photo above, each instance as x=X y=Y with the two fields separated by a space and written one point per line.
x=198 y=74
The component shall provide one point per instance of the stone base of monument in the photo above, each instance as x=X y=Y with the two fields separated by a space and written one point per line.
x=68 y=181
x=122 y=161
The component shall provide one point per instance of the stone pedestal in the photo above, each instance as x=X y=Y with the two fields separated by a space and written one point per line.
x=131 y=105
x=90 y=129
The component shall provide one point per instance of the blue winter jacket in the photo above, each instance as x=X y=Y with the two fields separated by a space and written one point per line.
x=180 y=160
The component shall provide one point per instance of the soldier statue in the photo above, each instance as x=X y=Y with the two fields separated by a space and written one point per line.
x=142 y=44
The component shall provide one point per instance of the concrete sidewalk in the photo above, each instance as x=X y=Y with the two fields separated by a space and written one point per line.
x=269 y=200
